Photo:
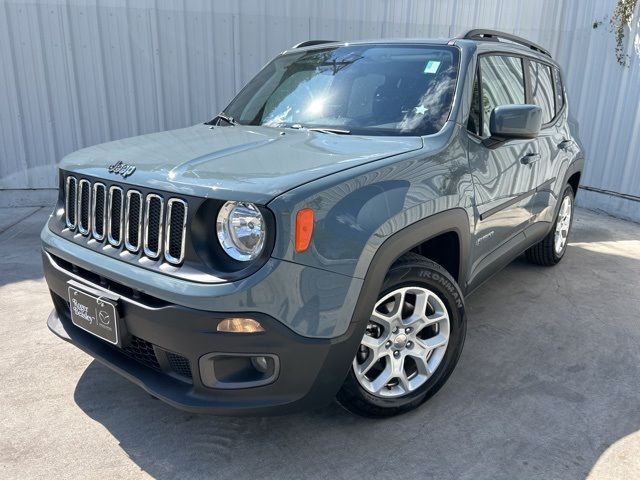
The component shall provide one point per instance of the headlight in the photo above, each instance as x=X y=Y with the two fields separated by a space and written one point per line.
x=241 y=230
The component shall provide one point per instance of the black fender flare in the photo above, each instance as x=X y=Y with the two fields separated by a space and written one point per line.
x=577 y=166
x=454 y=220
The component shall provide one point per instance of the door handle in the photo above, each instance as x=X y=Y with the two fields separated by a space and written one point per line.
x=529 y=158
x=564 y=144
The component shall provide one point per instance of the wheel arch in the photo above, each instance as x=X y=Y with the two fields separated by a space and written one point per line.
x=574 y=181
x=449 y=222
x=418 y=237
x=444 y=249
x=573 y=174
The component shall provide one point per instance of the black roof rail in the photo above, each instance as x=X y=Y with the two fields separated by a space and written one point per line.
x=310 y=43
x=494 y=35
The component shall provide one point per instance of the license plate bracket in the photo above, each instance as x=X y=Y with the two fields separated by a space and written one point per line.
x=94 y=312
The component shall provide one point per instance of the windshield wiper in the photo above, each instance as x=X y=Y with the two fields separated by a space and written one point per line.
x=338 y=131
x=224 y=117
x=297 y=126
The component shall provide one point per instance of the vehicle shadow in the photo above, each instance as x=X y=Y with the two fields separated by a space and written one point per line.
x=547 y=381
x=168 y=443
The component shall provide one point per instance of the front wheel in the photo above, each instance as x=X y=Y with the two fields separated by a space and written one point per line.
x=411 y=344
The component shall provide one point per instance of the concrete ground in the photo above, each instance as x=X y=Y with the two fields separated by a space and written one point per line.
x=548 y=386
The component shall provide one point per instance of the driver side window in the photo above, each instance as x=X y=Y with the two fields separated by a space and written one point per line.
x=502 y=83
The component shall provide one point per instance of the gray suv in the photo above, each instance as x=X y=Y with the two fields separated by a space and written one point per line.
x=316 y=239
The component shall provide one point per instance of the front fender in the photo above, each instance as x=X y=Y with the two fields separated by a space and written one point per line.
x=359 y=209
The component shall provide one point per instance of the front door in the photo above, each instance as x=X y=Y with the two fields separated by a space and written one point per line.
x=504 y=174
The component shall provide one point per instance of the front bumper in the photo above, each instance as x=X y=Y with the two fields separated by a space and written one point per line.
x=164 y=343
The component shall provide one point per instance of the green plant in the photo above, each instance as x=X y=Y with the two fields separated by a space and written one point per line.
x=618 y=23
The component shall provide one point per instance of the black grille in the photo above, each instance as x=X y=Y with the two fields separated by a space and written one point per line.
x=142 y=351
x=134 y=219
x=179 y=364
x=177 y=218
x=84 y=206
x=70 y=202
x=99 y=199
x=116 y=216
x=154 y=226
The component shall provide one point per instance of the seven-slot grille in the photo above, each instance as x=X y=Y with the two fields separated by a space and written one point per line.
x=127 y=218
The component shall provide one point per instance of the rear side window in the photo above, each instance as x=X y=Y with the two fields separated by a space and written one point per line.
x=559 y=91
x=542 y=92
x=502 y=83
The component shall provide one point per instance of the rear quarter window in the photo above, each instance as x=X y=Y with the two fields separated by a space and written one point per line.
x=558 y=89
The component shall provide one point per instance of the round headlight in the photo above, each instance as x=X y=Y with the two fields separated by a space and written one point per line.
x=241 y=230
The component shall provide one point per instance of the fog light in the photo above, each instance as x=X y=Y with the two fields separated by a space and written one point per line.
x=260 y=363
x=240 y=325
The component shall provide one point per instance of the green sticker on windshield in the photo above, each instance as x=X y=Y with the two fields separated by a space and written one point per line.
x=432 y=66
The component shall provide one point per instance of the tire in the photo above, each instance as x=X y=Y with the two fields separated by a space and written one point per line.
x=547 y=251
x=427 y=350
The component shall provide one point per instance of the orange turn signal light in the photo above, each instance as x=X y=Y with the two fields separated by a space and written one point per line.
x=304 y=229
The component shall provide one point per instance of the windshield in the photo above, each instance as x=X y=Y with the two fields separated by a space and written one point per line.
x=361 y=89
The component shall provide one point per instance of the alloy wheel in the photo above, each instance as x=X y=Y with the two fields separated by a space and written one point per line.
x=562 y=225
x=404 y=343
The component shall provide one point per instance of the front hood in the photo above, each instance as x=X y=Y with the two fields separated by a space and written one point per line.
x=249 y=163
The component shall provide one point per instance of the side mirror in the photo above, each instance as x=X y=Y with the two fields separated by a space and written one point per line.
x=516 y=121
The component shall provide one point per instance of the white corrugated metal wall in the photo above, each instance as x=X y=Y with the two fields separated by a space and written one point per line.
x=79 y=72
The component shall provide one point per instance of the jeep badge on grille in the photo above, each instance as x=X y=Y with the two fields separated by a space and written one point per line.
x=122 y=168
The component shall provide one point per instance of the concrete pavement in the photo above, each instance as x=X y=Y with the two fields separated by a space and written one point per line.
x=547 y=387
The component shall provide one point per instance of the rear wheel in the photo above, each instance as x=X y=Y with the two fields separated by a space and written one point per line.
x=552 y=248
x=412 y=342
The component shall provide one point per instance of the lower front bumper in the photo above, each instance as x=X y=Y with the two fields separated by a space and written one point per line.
x=311 y=370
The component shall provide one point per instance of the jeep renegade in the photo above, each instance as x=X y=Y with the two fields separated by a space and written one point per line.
x=316 y=239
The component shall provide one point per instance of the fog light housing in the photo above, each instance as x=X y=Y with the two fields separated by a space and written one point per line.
x=228 y=370
x=240 y=325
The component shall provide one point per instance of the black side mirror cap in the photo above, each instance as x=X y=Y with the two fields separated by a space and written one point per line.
x=515 y=122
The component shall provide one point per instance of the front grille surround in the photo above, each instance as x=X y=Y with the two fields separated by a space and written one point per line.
x=138 y=222
x=188 y=246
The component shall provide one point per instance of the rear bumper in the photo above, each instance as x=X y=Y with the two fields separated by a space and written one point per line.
x=165 y=342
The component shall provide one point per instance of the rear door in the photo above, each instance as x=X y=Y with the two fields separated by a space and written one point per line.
x=504 y=174
x=554 y=139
